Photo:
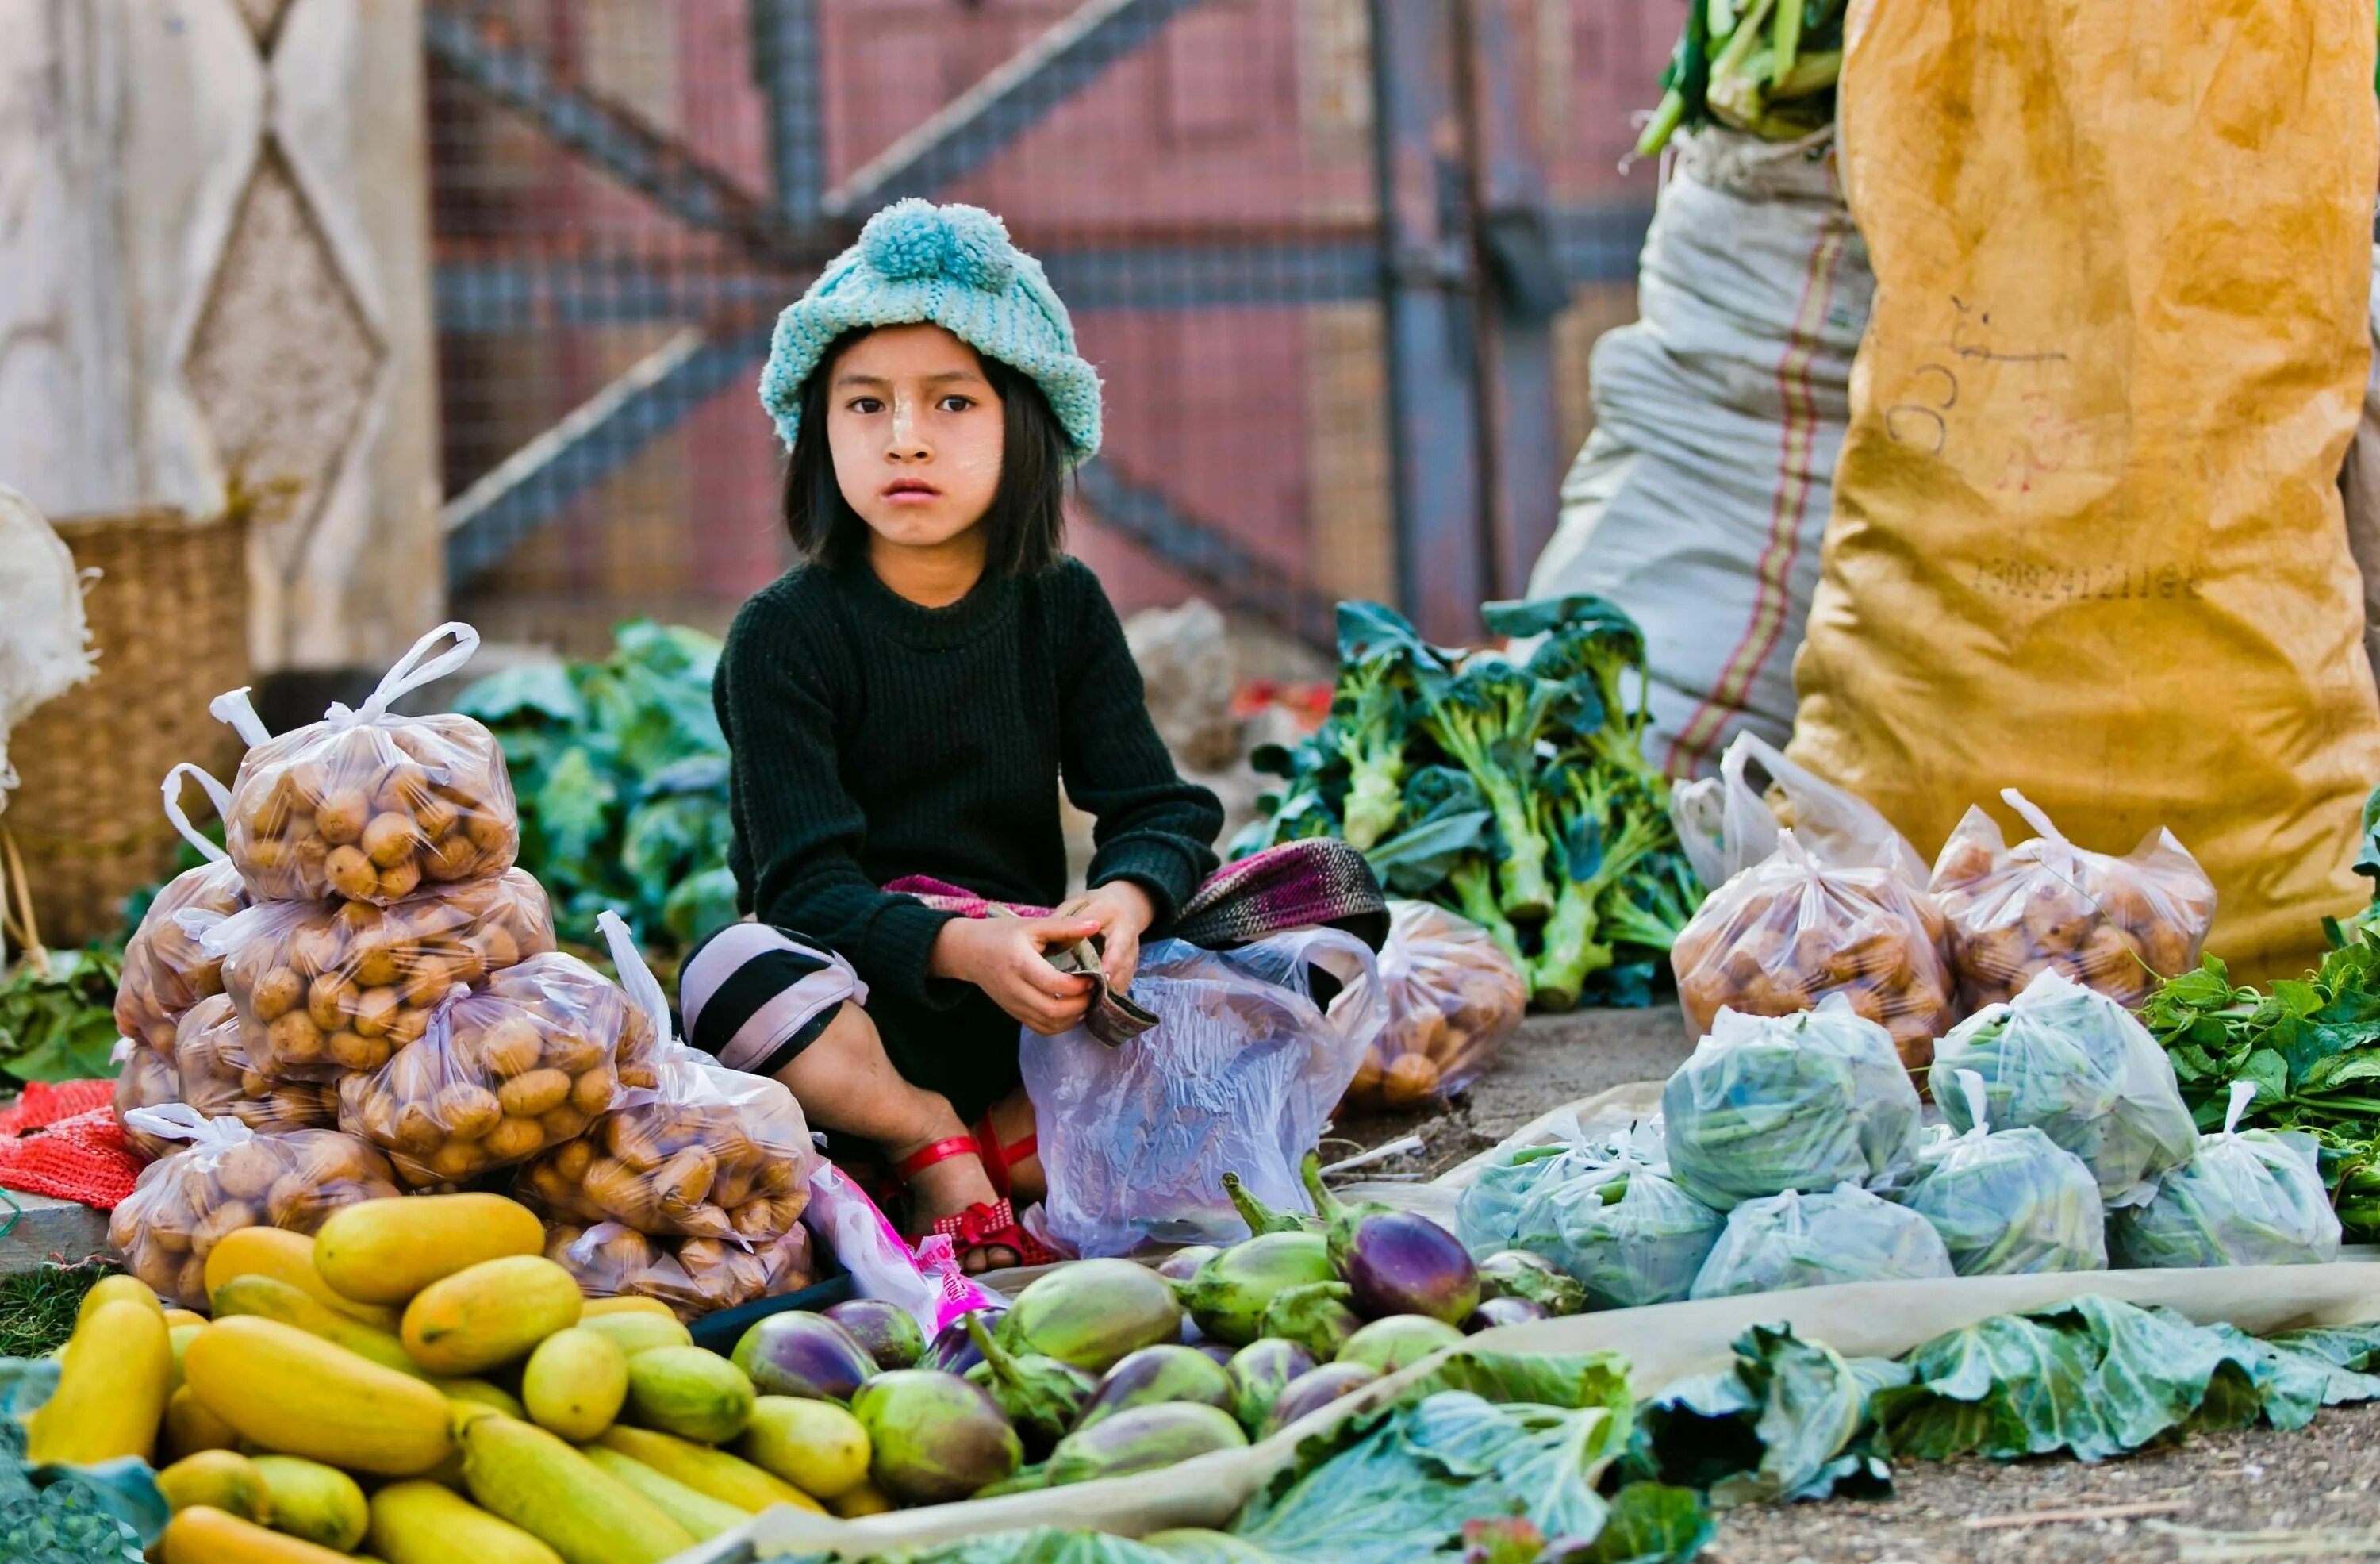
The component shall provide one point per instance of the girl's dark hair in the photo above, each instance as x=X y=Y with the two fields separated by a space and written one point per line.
x=1026 y=526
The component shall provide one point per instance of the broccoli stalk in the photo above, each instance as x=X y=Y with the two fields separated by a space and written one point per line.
x=1651 y=903
x=1488 y=720
x=1474 y=892
x=1605 y=833
x=1590 y=663
x=1368 y=722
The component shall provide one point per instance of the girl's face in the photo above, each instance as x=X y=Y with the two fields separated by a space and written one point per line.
x=915 y=433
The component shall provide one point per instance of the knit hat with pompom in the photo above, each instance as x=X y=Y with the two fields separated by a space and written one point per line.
x=953 y=266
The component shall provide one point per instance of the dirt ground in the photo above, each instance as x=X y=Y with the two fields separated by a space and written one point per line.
x=2311 y=1495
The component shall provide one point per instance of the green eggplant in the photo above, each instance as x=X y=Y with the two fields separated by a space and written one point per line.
x=1316 y=1316
x=1228 y=1296
x=1040 y=1395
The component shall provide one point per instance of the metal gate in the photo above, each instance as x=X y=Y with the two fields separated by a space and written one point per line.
x=1339 y=262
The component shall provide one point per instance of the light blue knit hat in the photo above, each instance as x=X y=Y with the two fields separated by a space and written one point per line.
x=954 y=266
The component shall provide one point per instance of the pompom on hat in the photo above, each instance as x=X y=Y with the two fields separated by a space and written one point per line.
x=954 y=267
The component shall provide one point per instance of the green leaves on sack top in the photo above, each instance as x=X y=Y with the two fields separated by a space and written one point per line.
x=59 y=1024
x=621 y=770
x=1764 y=65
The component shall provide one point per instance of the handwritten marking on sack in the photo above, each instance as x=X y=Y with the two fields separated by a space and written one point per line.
x=1917 y=418
x=2074 y=583
x=1963 y=342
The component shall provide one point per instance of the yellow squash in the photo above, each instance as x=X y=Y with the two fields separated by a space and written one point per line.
x=177 y=1318
x=574 y=1383
x=386 y=1250
x=112 y=1388
x=865 y=1499
x=479 y=1392
x=225 y=1479
x=275 y=1251
x=630 y=1306
x=296 y=1393
x=490 y=1314
x=634 y=1329
x=270 y=1298
x=203 y=1534
x=526 y=1475
x=698 y=1512
x=706 y=1470
x=108 y=1290
x=318 y=1503
x=688 y=1391
x=189 y=1427
x=418 y=1522
x=816 y=1446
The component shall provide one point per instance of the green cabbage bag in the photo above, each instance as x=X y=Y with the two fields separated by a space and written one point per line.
x=2249 y=1197
x=2008 y=1201
x=1626 y=1232
x=1845 y=1235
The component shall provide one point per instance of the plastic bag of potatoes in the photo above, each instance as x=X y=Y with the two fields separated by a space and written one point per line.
x=1453 y=997
x=502 y=1071
x=704 y=1152
x=326 y=988
x=692 y=1276
x=146 y=1080
x=168 y=967
x=368 y=804
x=218 y=1079
x=2118 y=926
x=229 y=1177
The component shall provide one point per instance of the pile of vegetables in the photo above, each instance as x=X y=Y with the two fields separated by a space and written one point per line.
x=57 y=1016
x=1767 y=67
x=621 y=775
x=1510 y=790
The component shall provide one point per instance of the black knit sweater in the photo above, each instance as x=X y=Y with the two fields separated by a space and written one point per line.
x=871 y=739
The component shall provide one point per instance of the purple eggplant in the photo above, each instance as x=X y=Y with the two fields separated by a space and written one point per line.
x=1397 y=1342
x=1183 y=1264
x=1221 y=1352
x=1396 y=1263
x=1494 y=1311
x=1092 y=1312
x=953 y=1350
x=1516 y=1273
x=1315 y=1388
x=1157 y=1374
x=934 y=1436
x=1259 y=1372
x=1229 y=1294
x=802 y=1355
x=1142 y=1439
x=886 y=1330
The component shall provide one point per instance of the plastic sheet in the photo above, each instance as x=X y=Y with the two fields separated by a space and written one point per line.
x=1806 y=1102
x=1238 y=1077
x=1843 y=1235
x=168 y=967
x=1453 y=998
x=2008 y=1201
x=2249 y=1197
x=2076 y=1065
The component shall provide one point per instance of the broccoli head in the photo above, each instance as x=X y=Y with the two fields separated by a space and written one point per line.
x=1606 y=826
x=1489 y=719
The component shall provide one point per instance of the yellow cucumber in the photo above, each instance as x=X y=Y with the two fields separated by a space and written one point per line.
x=299 y=1394
x=418 y=1522
x=318 y=1503
x=479 y=1392
x=816 y=1446
x=698 y=1512
x=112 y=1388
x=178 y=1341
x=688 y=1391
x=706 y=1470
x=386 y=1250
x=203 y=1534
x=225 y=1479
x=108 y=1290
x=189 y=1427
x=574 y=1383
x=521 y=1473
x=177 y=1318
x=488 y=1313
x=270 y=1298
x=634 y=1330
x=275 y=1251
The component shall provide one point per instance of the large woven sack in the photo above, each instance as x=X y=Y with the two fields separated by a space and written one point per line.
x=2086 y=539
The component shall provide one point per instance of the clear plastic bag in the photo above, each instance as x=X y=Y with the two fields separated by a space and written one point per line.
x=1725 y=825
x=168 y=967
x=1842 y=1235
x=2249 y=1197
x=1487 y=1212
x=225 y=1178
x=2115 y=924
x=216 y=1077
x=2076 y=1065
x=326 y=988
x=503 y=1071
x=2008 y=1201
x=1452 y=999
x=1804 y=1102
x=693 y=1276
x=705 y=1153
x=1627 y=1233
x=367 y=804
x=146 y=1080
x=1237 y=1077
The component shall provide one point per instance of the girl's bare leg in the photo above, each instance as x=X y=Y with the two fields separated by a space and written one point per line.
x=846 y=1084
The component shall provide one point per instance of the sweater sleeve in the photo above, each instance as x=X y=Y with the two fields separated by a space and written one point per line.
x=1153 y=828
x=798 y=830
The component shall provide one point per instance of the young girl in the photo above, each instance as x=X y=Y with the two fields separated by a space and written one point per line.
x=906 y=703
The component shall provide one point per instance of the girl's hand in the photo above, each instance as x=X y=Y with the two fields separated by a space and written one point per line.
x=1123 y=912
x=1003 y=957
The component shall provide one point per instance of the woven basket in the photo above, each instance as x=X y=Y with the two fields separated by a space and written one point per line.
x=168 y=617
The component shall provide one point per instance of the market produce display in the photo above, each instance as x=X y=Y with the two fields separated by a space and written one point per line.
x=2008 y=1201
x=1767 y=67
x=2248 y=1197
x=2119 y=925
x=1453 y=998
x=1510 y=791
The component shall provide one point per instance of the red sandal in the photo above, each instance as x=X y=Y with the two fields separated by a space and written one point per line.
x=988 y=1224
x=998 y=1159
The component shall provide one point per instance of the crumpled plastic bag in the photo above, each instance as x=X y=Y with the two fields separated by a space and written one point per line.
x=1452 y=999
x=2008 y=1201
x=1621 y=1226
x=1487 y=1212
x=1237 y=1077
x=1801 y=1101
x=2115 y=924
x=2249 y=1197
x=693 y=1276
x=167 y=966
x=1842 y=1235
x=2078 y=1066
x=1829 y=900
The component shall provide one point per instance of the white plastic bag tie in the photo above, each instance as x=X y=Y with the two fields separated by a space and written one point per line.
x=180 y=1121
x=2031 y=815
x=643 y=989
x=2242 y=1093
x=121 y=1052
x=409 y=673
x=233 y=708
x=217 y=795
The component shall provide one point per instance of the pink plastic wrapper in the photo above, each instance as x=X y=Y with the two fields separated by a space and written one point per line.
x=2119 y=925
x=1453 y=997
x=168 y=967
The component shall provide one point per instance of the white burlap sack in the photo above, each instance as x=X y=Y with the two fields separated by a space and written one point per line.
x=1699 y=501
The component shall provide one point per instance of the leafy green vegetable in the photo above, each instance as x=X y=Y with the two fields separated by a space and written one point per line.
x=59 y=1023
x=621 y=770
x=1768 y=67
x=1628 y=1234
x=2249 y=1197
x=2009 y=1202
x=1839 y=1234
x=1784 y=1423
